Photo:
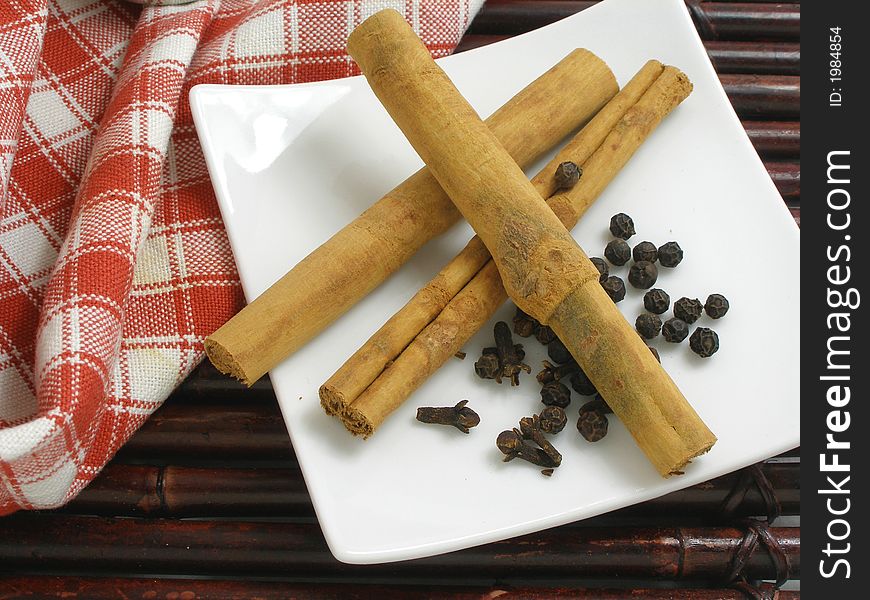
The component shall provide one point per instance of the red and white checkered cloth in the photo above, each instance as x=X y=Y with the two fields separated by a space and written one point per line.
x=114 y=263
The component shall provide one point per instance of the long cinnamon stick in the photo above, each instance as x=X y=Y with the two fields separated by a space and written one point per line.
x=359 y=257
x=367 y=363
x=543 y=269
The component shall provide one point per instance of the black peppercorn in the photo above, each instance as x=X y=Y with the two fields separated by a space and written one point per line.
x=716 y=306
x=645 y=251
x=621 y=226
x=601 y=265
x=617 y=252
x=656 y=301
x=670 y=254
x=615 y=288
x=643 y=274
x=655 y=353
x=648 y=325
x=545 y=335
x=675 y=330
x=581 y=383
x=598 y=404
x=704 y=342
x=557 y=351
x=688 y=309
x=592 y=425
x=567 y=175
x=553 y=419
x=556 y=393
x=524 y=325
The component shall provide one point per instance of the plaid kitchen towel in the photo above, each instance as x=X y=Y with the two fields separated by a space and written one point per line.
x=114 y=263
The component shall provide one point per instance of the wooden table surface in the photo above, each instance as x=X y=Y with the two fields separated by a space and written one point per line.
x=207 y=500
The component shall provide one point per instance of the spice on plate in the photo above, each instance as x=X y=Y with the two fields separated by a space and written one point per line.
x=648 y=325
x=556 y=393
x=621 y=226
x=524 y=325
x=716 y=306
x=557 y=351
x=530 y=427
x=655 y=353
x=592 y=424
x=512 y=445
x=615 y=288
x=487 y=366
x=567 y=175
x=656 y=301
x=688 y=309
x=553 y=419
x=617 y=252
x=643 y=274
x=545 y=335
x=602 y=267
x=598 y=402
x=704 y=342
x=552 y=372
x=459 y=416
x=675 y=330
x=645 y=251
x=582 y=384
x=670 y=254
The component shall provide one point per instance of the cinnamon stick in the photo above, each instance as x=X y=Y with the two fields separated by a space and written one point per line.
x=542 y=267
x=359 y=257
x=367 y=363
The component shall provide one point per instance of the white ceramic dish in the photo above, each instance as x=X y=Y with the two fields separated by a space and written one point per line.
x=293 y=164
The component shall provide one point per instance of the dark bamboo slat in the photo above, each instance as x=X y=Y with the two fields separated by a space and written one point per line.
x=775 y=139
x=787 y=177
x=714 y=20
x=54 y=543
x=771 y=58
x=211 y=432
x=147 y=490
x=754 y=57
x=773 y=97
x=78 y=588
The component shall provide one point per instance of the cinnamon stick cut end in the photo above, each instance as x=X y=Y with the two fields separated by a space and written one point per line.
x=225 y=362
x=332 y=400
x=679 y=469
x=356 y=422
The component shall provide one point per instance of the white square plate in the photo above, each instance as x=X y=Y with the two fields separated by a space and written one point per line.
x=293 y=164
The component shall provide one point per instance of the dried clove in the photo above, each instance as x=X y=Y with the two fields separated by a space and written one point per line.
x=487 y=366
x=460 y=416
x=511 y=444
x=530 y=427
x=510 y=360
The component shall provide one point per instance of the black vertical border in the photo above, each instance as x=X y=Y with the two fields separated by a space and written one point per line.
x=825 y=129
